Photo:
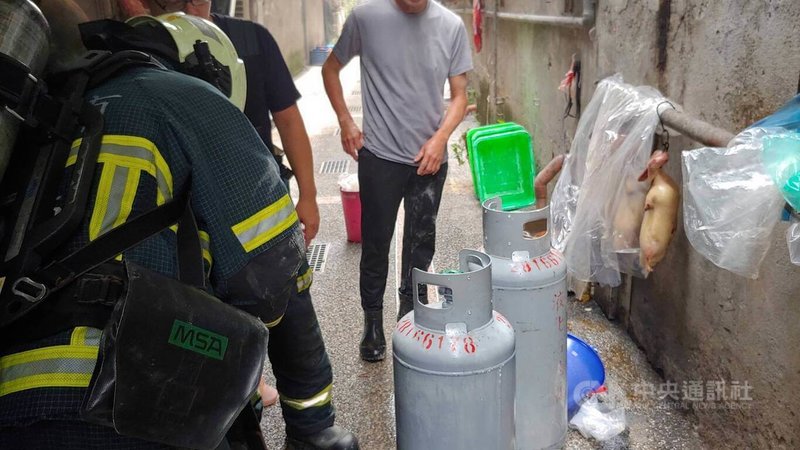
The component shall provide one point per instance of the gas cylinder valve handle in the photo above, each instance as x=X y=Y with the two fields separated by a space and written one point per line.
x=471 y=292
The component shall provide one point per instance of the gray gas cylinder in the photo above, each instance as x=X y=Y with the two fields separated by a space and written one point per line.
x=454 y=365
x=529 y=286
x=23 y=37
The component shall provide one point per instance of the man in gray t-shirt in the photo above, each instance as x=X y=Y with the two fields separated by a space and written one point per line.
x=408 y=50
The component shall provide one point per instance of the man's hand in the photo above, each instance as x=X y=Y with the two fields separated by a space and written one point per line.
x=308 y=213
x=352 y=137
x=431 y=155
x=269 y=395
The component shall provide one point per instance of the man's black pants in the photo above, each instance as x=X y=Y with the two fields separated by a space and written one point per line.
x=383 y=184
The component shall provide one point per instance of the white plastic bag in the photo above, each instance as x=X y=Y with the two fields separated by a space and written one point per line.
x=599 y=420
x=730 y=203
x=793 y=241
x=348 y=182
x=598 y=203
x=564 y=200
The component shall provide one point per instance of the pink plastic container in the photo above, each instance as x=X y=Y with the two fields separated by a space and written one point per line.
x=351 y=204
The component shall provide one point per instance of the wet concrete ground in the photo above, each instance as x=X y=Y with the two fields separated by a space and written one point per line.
x=363 y=392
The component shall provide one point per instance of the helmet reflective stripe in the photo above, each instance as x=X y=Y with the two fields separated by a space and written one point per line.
x=186 y=30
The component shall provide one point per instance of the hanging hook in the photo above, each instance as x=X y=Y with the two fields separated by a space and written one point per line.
x=664 y=131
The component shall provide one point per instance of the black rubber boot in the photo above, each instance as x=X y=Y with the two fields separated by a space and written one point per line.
x=331 y=438
x=373 y=343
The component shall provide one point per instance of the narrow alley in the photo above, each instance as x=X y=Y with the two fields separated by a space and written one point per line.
x=601 y=197
x=363 y=392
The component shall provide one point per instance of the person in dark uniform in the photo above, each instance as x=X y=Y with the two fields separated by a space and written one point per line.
x=270 y=92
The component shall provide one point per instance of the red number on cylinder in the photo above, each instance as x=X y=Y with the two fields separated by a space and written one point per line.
x=469 y=345
x=427 y=341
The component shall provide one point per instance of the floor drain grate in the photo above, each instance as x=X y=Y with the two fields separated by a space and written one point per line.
x=354 y=109
x=356 y=91
x=339 y=166
x=316 y=255
x=337 y=132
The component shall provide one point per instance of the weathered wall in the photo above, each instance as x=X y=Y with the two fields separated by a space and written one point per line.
x=728 y=62
x=296 y=25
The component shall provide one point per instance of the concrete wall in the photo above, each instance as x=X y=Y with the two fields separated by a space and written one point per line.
x=298 y=26
x=728 y=62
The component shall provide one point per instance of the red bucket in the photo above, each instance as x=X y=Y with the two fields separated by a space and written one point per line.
x=351 y=204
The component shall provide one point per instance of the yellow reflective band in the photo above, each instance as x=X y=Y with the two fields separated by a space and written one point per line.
x=53 y=352
x=101 y=201
x=85 y=336
x=78 y=336
x=131 y=187
x=55 y=366
x=265 y=224
x=304 y=281
x=205 y=244
x=44 y=380
x=136 y=153
x=275 y=322
x=321 y=399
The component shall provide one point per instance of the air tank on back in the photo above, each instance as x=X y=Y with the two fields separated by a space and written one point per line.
x=23 y=38
x=529 y=287
x=454 y=365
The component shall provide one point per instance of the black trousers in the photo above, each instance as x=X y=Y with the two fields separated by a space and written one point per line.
x=301 y=366
x=296 y=349
x=383 y=184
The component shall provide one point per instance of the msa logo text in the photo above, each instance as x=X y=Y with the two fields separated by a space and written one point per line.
x=198 y=340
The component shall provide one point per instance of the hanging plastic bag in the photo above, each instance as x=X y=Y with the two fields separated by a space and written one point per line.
x=565 y=194
x=731 y=204
x=787 y=117
x=598 y=203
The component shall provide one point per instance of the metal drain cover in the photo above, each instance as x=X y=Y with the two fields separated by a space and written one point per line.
x=316 y=255
x=339 y=166
x=354 y=109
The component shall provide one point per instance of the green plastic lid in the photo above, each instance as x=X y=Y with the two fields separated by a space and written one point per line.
x=478 y=132
x=504 y=167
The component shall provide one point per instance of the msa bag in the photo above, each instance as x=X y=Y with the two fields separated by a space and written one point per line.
x=175 y=365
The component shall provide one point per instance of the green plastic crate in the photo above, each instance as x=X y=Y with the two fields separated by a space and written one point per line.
x=482 y=131
x=504 y=167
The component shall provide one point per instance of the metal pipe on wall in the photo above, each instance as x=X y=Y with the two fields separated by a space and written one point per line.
x=585 y=21
x=494 y=69
x=684 y=123
x=696 y=129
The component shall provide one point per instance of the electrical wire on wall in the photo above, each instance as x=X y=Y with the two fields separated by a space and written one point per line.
x=570 y=83
x=572 y=79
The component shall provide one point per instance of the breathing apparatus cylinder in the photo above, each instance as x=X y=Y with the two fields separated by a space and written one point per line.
x=23 y=37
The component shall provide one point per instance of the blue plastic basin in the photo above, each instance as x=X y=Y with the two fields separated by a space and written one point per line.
x=585 y=372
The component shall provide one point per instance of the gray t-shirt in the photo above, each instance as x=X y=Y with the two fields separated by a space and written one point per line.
x=405 y=61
